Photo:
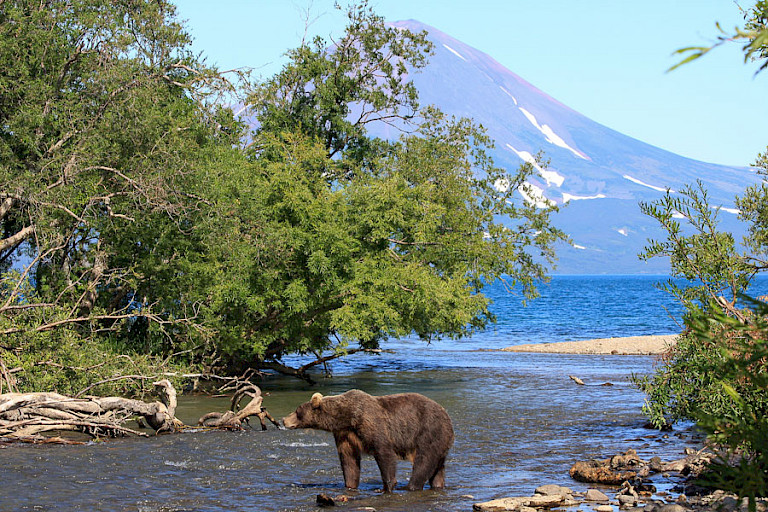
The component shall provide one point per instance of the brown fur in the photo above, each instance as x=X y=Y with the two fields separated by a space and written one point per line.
x=406 y=426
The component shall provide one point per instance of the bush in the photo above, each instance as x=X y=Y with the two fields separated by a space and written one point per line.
x=741 y=428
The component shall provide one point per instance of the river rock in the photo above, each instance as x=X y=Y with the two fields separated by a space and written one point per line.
x=626 y=500
x=599 y=472
x=626 y=460
x=613 y=471
x=628 y=490
x=323 y=500
x=553 y=489
x=595 y=495
x=672 y=507
x=520 y=504
x=604 y=508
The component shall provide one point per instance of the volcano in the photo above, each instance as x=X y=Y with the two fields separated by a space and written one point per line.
x=598 y=174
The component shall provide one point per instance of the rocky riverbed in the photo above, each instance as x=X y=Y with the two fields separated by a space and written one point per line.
x=625 y=483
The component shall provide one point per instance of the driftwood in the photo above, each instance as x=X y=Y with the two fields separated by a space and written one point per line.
x=233 y=419
x=26 y=416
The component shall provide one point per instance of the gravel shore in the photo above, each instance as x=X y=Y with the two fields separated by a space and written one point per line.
x=633 y=345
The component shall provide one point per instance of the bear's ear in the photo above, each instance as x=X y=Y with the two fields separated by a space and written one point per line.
x=315 y=400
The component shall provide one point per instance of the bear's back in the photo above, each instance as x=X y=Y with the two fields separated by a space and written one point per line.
x=411 y=412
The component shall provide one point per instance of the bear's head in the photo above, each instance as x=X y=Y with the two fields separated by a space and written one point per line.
x=307 y=415
x=331 y=413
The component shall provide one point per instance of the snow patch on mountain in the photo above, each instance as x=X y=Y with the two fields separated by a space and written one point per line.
x=534 y=195
x=550 y=134
x=502 y=185
x=570 y=197
x=509 y=94
x=454 y=52
x=635 y=180
x=551 y=177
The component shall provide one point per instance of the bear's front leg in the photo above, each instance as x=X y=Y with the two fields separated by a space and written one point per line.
x=350 y=451
x=387 y=461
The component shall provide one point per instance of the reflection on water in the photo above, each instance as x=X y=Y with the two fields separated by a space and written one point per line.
x=520 y=422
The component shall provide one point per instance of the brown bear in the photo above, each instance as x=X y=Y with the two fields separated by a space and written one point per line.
x=408 y=426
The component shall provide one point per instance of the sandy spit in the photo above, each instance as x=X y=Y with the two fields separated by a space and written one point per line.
x=633 y=345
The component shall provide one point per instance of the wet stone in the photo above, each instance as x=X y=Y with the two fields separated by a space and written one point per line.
x=671 y=508
x=595 y=495
x=553 y=489
x=626 y=499
x=520 y=504
x=323 y=500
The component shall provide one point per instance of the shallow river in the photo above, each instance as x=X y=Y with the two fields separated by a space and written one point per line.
x=520 y=422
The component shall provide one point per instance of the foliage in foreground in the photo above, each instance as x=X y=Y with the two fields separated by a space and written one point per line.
x=742 y=372
x=717 y=373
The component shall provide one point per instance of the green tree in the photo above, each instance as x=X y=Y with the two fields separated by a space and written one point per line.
x=103 y=120
x=332 y=90
x=343 y=239
x=405 y=246
x=740 y=427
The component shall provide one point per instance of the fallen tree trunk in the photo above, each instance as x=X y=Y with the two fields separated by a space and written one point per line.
x=29 y=415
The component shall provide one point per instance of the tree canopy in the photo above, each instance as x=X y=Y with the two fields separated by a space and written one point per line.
x=143 y=225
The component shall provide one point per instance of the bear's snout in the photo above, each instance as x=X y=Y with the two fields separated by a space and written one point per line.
x=291 y=421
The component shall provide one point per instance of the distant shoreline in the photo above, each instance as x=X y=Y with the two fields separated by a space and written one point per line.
x=632 y=345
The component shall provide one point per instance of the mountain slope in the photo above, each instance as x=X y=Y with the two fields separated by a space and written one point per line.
x=599 y=173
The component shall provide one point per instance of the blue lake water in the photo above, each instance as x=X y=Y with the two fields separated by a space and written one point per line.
x=582 y=307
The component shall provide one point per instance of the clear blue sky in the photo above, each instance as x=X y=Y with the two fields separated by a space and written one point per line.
x=604 y=58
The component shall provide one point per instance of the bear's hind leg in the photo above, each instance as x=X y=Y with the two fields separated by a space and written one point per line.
x=437 y=481
x=423 y=469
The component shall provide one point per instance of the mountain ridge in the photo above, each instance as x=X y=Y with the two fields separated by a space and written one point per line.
x=599 y=173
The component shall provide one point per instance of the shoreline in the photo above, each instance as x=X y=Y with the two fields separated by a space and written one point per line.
x=632 y=345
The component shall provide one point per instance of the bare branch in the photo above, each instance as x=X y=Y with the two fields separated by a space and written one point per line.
x=18 y=237
x=5 y=206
